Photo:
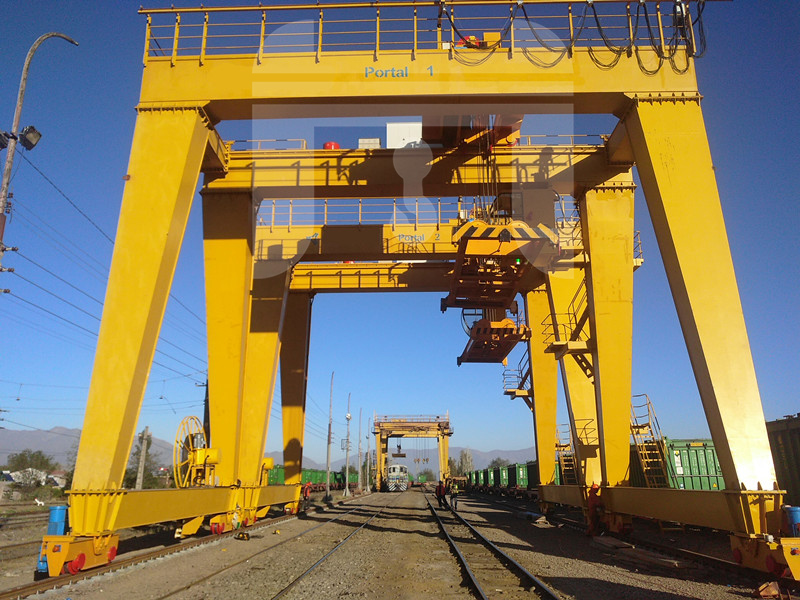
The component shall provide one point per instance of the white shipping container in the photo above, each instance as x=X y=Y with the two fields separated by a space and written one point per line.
x=399 y=135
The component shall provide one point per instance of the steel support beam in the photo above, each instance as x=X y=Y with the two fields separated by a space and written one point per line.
x=228 y=229
x=168 y=147
x=294 y=378
x=674 y=162
x=544 y=386
x=607 y=224
x=562 y=287
x=298 y=85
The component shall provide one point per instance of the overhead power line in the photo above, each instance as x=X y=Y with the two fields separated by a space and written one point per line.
x=97 y=227
x=67 y=198
x=61 y=279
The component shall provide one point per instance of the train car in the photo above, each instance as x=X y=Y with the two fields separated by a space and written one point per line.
x=397 y=478
x=784 y=441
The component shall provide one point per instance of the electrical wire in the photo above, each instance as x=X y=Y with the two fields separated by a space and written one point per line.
x=61 y=279
x=51 y=313
x=68 y=199
x=67 y=252
x=95 y=317
x=64 y=300
x=98 y=228
x=94 y=334
x=72 y=341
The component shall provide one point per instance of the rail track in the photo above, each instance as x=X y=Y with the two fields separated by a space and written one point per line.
x=122 y=563
x=715 y=564
x=300 y=577
x=15 y=521
x=490 y=571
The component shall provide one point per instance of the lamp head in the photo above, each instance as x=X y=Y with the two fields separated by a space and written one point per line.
x=29 y=137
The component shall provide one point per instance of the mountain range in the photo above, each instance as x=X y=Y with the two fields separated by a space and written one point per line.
x=61 y=444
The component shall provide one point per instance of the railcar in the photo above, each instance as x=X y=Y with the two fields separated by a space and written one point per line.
x=397 y=478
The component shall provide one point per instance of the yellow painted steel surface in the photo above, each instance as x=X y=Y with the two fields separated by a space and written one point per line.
x=164 y=166
x=607 y=224
x=386 y=427
x=271 y=241
x=544 y=385
x=674 y=161
x=366 y=173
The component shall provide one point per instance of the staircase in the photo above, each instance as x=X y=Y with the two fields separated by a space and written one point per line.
x=649 y=444
x=568 y=333
x=566 y=457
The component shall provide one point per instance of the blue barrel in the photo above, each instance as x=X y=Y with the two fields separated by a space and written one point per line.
x=58 y=520
x=793 y=517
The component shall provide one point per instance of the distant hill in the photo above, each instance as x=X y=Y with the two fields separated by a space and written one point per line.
x=62 y=444
x=480 y=459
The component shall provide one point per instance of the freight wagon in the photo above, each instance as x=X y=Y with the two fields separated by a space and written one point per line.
x=316 y=477
x=691 y=465
x=784 y=441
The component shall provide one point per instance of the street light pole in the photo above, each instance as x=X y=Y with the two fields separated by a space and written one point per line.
x=12 y=142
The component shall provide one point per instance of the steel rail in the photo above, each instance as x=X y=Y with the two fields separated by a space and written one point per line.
x=308 y=571
x=64 y=580
x=706 y=560
x=251 y=556
x=541 y=587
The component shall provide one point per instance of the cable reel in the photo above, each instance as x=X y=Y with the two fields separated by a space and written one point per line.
x=192 y=460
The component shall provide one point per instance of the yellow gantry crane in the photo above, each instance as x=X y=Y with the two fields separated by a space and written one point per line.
x=385 y=427
x=474 y=211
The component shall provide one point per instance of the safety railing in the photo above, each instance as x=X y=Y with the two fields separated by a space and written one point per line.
x=638 y=254
x=462 y=28
x=518 y=378
x=361 y=211
x=382 y=419
x=269 y=144
x=562 y=139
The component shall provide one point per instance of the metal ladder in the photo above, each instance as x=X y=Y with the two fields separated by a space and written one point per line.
x=651 y=450
x=566 y=457
x=649 y=443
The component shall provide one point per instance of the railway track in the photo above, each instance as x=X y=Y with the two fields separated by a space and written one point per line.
x=23 y=520
x=305 y=573
x=715 y=564
x=121 y=563
x=491 y=572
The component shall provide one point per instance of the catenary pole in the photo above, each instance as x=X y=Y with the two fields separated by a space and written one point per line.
x=348 y=416
x=360 y=464
x=330 y=441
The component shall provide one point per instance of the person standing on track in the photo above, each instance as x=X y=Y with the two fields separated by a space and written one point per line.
x=454 y=495
x=440 y=491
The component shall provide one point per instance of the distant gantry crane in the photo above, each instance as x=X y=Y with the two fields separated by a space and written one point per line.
x=474 y=210
x=385 y=427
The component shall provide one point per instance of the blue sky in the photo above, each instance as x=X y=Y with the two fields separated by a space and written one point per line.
x=396 y=354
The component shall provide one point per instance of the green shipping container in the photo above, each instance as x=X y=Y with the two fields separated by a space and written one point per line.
x=489 y=474
x=532 y=475
x=691 y=464
x=694 y=465
x=481 y=475
x=518 y=476
x=503 y=480
x=421 y=478
x=784 y=441
x=276 y=476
